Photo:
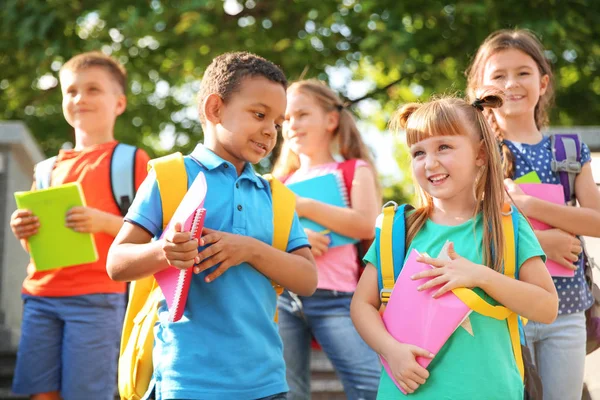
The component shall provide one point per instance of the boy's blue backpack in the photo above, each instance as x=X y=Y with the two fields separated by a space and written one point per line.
x=392 y=251
x=122 y=175
x=566 y=160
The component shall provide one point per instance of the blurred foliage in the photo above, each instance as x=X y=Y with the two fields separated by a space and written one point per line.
x=417 y=48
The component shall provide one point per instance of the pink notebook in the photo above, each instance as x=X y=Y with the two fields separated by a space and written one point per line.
x=416 y=318
x=175 y=283
x=553 y=194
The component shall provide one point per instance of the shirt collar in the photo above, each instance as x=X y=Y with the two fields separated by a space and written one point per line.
x=210 y=161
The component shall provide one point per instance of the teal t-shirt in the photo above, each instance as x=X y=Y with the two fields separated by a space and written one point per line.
x=481 y=366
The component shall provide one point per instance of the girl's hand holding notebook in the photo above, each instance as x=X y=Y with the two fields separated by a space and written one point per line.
x=407 y=373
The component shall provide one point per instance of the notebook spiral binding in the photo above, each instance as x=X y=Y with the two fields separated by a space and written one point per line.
x=342 y=186
x=185 y=275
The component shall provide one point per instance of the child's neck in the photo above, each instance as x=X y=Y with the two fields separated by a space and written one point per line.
x=322 y=157
x=452 y=212
x=84 y=140
x=520 y=129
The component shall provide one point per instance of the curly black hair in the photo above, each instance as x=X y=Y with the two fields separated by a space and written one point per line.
x=225 y=73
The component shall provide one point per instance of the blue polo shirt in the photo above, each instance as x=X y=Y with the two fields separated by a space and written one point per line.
x=226 y=345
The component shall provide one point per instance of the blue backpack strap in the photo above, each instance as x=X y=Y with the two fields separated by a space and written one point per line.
x=43 y=173
x=122 y=176
x=398 y=243
x=566 y=160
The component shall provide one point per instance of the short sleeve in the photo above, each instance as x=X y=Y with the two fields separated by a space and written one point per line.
x=297 y=238
x=146 y=209
x=586 y=155
x=528 y=246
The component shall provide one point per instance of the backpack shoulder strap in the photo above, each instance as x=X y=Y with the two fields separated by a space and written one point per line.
x=566 y=160
x=510 y=218
x=392 y=247
x=172 y=180
x=43 y=173
x=284 y=206
x=122 y=175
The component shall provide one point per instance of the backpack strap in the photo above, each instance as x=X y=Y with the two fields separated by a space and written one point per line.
x=510 y=226
x=392 y=247
x=122 y=175
x=43 y=173
x=284 y=207
x=172 y=181
x=566 y=160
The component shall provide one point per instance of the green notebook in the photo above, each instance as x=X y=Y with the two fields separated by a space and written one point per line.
x=530 y=177
x=55 y=245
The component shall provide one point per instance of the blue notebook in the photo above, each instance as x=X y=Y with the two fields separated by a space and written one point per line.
x=330 y=189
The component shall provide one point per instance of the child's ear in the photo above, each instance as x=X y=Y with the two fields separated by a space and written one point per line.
x=482 y=156
x=333 y=121
x=544 y=84
x=121 y=104
x=212 y=108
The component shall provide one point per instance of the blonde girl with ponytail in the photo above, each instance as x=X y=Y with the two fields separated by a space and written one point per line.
x=456 y=168
x=321 y=137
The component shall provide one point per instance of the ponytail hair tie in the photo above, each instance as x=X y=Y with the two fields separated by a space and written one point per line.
x=478 y=104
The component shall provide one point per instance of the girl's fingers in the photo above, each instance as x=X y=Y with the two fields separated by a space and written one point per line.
x=428 y=274
x=440 y=280
x=403 y=385
x=446 y=288
x=434 y=262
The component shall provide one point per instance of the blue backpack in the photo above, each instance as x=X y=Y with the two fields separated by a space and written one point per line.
x=122 y=175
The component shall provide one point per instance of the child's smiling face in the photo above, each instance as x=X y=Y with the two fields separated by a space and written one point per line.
x=247 y=124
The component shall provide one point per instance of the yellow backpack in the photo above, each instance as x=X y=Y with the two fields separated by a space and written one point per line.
x=137 y=340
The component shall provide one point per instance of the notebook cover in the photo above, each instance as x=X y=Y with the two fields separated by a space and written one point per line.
x=416 y=318
x=554 y=194
x=55 y=245
x=329 y=189
x=174 y=282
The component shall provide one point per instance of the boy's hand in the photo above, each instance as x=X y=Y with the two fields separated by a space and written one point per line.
x=560 y=246
x=319 y=243
x=406 y=370
x=24 y=224
x=86 y=219
x=180 y=250
x=228 y=249
x=458 y=272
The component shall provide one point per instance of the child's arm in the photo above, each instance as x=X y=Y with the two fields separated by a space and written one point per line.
x=91 y=220
x=24 y=224
x=357 y=221
x=134 y=256
x=533 y=296
x=295 y=271
x=560 y=246
x=400 y=357
x=584 y=220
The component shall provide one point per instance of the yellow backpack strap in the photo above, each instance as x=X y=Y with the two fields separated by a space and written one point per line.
x=510 y=268
x=387 y=259
x=172 y=181
x=284 y=207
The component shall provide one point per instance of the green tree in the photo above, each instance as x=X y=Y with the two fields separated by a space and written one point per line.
x=415 y=48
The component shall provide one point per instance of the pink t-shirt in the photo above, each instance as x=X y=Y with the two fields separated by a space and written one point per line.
x=338 y=267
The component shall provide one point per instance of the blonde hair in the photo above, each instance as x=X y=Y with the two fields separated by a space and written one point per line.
x=451 y=116
x=528 y=43
x=348 y=137
x=98 y=59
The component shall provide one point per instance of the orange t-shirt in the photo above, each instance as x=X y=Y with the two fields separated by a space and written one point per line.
x=91 y=168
